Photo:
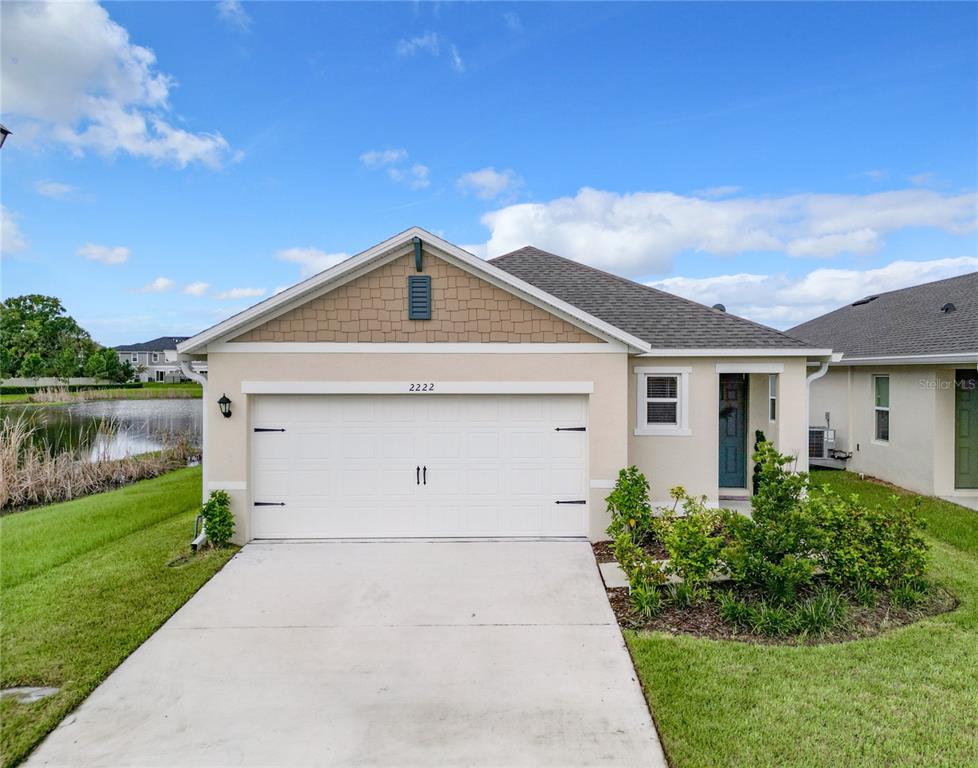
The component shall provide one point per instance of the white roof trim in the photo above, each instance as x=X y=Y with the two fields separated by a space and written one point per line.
x=738 y=352
x=947 y=357
x=324 y=279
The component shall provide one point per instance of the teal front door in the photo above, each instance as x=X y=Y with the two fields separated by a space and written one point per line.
x=966 y=429
x=733 y=430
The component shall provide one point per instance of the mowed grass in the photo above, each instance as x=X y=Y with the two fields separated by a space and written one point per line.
x=151 y=390
x=84 y=583
x=906 y=698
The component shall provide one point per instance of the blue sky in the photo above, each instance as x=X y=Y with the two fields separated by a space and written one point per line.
x=172 y=163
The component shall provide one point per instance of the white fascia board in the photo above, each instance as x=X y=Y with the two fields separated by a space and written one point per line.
x=326 y=279
x=739 y=352
x=418 y=388
x=750 y=367
x=958 y=357
x=423 y=348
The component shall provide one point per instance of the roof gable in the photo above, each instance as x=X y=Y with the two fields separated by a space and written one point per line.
x=662 y=319
x=388 y=250
x=159 y=344
x=907 y=322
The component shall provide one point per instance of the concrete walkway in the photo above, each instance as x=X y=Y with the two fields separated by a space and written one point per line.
x=377 y=654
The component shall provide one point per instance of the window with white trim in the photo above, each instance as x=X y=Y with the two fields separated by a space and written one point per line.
x=134 y=357
x=161 y=376
x=772 y=397
x=881 y=408
x=156 y=357
x=661 y=396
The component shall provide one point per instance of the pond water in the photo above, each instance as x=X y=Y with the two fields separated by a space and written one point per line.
x=109 y=429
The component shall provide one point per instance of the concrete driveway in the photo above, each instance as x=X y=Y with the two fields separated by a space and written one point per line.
x=386 y=654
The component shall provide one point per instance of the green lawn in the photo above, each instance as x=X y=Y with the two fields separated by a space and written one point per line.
x=84 y=583
x=149 y=391
x=906 y=698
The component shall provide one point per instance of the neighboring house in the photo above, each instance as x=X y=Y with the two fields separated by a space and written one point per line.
x=157 y=359
x=417 y=390
x=903 y=399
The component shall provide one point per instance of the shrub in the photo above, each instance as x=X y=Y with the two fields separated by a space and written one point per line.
x=909 y=592
x=684 y=594
x=646 y=600
x=819 y=613
x=771 y=620
x=629 y=506
x=218 y=520
x=639 y=568
x=875 y=546
x=733 y=610
x=694 y=541
x=756 y=473
x=773 y=550
x=863 y=594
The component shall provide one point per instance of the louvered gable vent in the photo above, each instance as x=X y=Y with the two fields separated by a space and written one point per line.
x=419 y=297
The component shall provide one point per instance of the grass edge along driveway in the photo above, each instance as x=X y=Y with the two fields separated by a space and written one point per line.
x=905 y=698
x=85 y=583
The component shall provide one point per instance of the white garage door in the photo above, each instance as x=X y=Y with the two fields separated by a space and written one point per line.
x=328 y=466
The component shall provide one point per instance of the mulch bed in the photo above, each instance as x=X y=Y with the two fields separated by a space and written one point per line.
x=603 y=551
x=704 y=620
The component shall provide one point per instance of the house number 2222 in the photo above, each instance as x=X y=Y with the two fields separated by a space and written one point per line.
x=428 y=386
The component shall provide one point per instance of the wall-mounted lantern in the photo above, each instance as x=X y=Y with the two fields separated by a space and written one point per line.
x=225 y=403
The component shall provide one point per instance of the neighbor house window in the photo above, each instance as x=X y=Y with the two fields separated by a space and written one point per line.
x=881 y=407
x=772 y=396
x=662 y=401
x=160 y=376
x=156 y=357
x=134 y=357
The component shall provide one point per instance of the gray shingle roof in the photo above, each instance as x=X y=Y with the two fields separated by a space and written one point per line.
x=905 y=322
x=156 y=345
x=662 y=319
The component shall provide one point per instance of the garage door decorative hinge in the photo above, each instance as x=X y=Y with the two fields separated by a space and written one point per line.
x=269 y=503
x=269 y=429
x=575 y=501
x=571 y=429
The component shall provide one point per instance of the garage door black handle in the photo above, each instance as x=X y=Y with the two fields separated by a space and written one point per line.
x=424 y=475
x=269 y=503
x=575 y=501
x=417 y=475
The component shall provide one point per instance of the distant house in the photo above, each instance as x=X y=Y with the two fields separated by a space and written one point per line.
x=902 y=403
x=157 y=359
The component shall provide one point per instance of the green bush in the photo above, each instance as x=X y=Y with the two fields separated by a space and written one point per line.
x=683 y=594
x=821 y=612
x=875 y=546
x=755 y=479
x=629 y=506
x=909 y=592
x=639 y=568
x=775 y=549
x=646 y=600
x=694 y=541
x=733 y=610
x=218 y=520
x=771 y=619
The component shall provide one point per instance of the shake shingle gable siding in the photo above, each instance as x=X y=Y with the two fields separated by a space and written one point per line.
x=663 y=320
x=911 y=321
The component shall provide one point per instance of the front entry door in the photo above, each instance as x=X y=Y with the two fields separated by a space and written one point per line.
x=966 y=429
x=733 y=430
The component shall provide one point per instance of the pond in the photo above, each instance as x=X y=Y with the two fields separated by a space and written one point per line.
x=109 y=429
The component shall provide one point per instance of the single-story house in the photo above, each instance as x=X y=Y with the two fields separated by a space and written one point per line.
x=418 y=390
x=902 y=403
x=156 y=360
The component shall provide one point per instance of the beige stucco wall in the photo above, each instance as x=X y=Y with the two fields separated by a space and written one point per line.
x=373 y=308
x=228 y=440
x=692 y=460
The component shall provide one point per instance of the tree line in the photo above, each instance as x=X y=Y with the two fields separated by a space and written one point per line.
x=38 y=339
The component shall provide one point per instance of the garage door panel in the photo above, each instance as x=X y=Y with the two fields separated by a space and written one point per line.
x=345 y=467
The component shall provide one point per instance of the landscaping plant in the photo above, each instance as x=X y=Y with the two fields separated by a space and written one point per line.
x=218 y=520
x=629 y=506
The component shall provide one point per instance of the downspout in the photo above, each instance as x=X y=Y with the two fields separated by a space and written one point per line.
x=188 y=371
x=823 y=368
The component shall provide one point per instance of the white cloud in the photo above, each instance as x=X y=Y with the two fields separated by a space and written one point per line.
x=488 y=183
x=104 y=254
x=640 y=233
x=232 y=13
x=456 y=58
x=874 y=174
x=196 y=289
x=477 y=249
x=159 y=285
x=73 y=77
x=925 y=179
x=12 y=239
x=380 y=158
x=429 y=42
x=714 y=192
x=416 y=177
x=240 y=293
x=53 y=189
x=513 y=22
x=310 y=260
x=785 y=301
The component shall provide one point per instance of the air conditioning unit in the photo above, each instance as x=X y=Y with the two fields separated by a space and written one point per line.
x=821 y=443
